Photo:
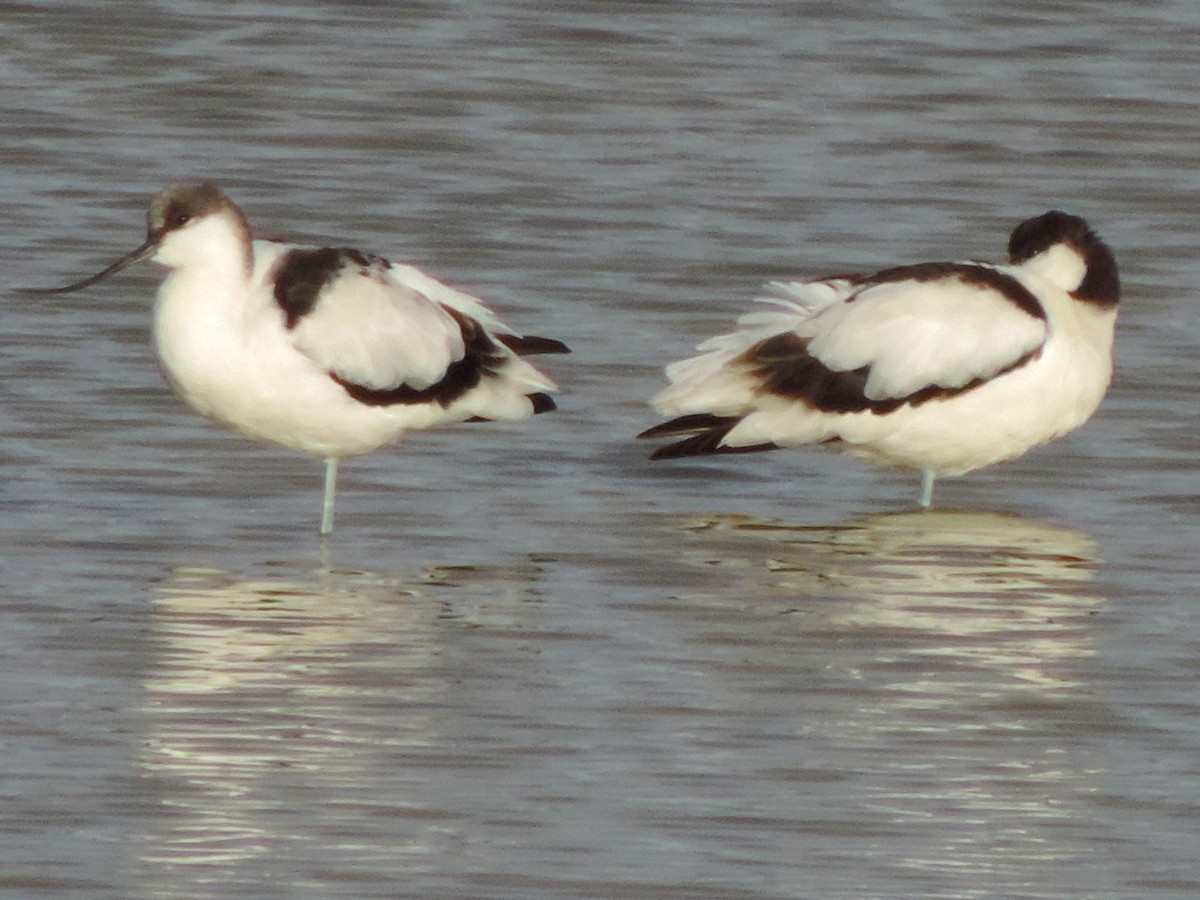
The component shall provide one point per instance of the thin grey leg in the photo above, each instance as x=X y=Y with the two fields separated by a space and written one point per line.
x=330 y=492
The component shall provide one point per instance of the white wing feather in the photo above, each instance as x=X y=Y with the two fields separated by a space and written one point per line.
x=917 y=334
x=375 y=331
x=390 y=326
x=908 y=334
x=705 y=383
x=428 y=286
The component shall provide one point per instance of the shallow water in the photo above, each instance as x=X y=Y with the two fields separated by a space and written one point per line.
x=530 y=663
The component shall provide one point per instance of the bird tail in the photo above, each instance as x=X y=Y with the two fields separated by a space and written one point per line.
x=707 y=433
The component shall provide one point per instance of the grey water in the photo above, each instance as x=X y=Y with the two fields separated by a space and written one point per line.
x=530 y=663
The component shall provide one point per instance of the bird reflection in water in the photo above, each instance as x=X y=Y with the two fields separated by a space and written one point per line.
x=935 y=670
x=267 y=697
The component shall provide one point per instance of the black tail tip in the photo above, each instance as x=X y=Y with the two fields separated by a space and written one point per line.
x=531 y=344
x=693 y=423
x=542 y=403
x=705 y=436
x=707 y=444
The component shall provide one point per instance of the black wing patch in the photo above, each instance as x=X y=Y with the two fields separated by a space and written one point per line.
x=783 y=367
x=302 y=274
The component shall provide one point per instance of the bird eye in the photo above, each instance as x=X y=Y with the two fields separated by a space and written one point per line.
x=178 y=219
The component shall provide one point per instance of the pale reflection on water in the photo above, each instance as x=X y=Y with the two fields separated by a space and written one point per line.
x=248 y=688
x=300 y=728
x=1016 y=592
x=909 y=687
x=947 y=655
x=281 y=713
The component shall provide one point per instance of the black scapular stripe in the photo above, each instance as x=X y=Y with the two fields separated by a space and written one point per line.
x=302 y=274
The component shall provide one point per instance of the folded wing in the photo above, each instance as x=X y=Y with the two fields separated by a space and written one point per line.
x=849 y=345
x=393 y=335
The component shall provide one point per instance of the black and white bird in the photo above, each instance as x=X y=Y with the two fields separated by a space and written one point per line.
x=325 y=350
x=941 y=367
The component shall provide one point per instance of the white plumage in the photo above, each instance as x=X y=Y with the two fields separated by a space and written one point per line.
x=323 y=350
x=942 y=367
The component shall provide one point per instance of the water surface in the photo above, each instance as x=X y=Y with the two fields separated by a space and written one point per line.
x=530 y=663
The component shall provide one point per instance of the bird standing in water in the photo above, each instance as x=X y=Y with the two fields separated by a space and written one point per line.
x=941 y=367
x=325 y=350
